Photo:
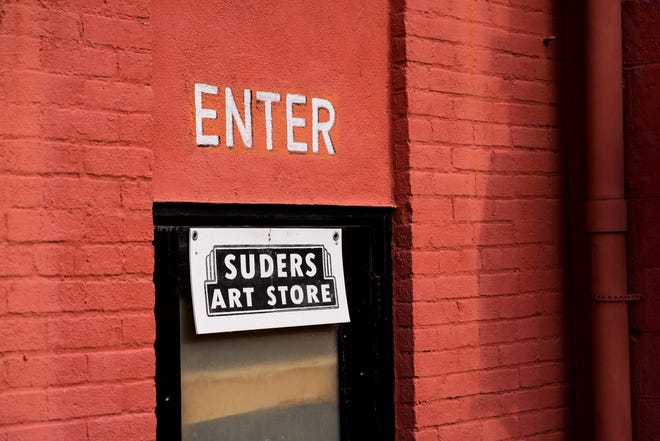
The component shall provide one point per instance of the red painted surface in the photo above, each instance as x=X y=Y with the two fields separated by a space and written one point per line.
x=335 y=50
x=470 y=109
x=479 y=240
x=642 y=132
x=76 y=260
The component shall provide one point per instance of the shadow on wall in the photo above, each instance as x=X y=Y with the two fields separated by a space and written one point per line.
x=519 y=213
x=482 y=227
x=641 y=57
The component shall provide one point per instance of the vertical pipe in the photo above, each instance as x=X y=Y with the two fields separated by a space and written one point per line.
x=606 y=222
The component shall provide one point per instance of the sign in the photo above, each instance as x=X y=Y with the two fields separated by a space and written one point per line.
x=259 y=278
x=269 y=121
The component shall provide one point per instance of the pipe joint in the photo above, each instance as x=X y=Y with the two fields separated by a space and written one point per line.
x=606 y=216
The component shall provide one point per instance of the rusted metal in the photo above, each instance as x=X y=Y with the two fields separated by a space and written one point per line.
x=606 y=222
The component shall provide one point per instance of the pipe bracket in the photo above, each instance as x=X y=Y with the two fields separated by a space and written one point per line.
x=606 y=216
x=630 y=297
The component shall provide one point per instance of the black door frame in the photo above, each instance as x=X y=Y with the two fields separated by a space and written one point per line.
x=365 y=346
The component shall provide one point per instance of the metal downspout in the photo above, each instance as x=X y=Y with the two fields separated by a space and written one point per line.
x=606 y=222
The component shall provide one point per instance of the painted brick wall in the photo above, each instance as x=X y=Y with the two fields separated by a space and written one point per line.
x=76 y=294
x=479 y=172
x=482 y=347
x=641 y=20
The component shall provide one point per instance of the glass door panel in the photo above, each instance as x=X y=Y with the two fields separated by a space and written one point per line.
x=272 y=385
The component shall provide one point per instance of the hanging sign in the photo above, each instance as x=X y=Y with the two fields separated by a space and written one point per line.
x=259 y=278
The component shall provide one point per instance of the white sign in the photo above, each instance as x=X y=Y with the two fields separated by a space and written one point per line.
x=260 y=278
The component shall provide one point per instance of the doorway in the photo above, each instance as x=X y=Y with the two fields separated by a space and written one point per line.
x=309 y=383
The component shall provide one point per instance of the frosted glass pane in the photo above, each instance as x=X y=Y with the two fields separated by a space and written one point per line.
x=272 y=385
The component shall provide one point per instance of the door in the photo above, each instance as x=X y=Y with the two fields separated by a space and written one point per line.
x=310 y=383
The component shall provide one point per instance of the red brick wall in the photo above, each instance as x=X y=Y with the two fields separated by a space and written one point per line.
x=482 y=346
x=641 y=21
x=479 y=179
x=76 y=294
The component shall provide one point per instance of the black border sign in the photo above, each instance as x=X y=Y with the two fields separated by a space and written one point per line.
x=259 y=278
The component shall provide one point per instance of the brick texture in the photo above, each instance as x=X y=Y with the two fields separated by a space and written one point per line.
x=480 y=313
x=642 y=131
x=479 y=239
x=76 y=261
